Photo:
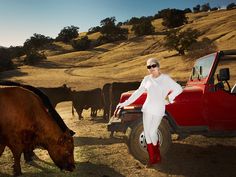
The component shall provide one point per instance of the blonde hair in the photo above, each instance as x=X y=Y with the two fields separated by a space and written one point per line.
x=153 y=60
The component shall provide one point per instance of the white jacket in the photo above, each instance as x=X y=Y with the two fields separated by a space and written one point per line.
x=157 y=89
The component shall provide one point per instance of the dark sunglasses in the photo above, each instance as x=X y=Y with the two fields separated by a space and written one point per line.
x=151 y=66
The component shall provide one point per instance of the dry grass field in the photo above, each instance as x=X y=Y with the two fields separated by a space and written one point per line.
x=95 y=153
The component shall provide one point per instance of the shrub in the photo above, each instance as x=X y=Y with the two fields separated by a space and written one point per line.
x=214 y=8
x=5 y=60
x=33 y=57
x=94 y=29
x=68 y=33
x=81 y=44
x=205 y=7
x=196 y=9
x=231 y=6
x=143 y=28
x=187 y=10
x=173 y=18
x=111 y=32
x=181 y=41
x=36 y=42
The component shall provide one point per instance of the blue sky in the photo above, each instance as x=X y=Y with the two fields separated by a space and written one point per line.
x=20 y=19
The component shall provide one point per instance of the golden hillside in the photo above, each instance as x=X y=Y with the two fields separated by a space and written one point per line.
x=125 y=60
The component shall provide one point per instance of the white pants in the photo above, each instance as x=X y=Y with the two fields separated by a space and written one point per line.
x=150 y=125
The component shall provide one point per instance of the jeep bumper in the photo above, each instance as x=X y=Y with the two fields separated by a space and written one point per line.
x=123 y=120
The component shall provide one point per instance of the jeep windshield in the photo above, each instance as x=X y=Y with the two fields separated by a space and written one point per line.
x=203 y=67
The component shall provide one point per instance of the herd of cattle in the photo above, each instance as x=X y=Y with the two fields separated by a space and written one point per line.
x=28 y=118
x=105 y=98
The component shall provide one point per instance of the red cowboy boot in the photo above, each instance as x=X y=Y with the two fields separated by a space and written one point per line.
x=157 y=156
x=151 y=153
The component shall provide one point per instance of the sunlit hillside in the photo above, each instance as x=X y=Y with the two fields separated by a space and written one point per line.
x=125 y=60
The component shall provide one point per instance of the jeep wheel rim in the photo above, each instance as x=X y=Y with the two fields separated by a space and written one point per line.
x=143 y=143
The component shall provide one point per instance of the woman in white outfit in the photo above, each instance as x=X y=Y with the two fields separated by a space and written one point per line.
x=161 y=90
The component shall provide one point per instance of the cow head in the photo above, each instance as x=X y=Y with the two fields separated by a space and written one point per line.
x=62 y=152
x=67 y=90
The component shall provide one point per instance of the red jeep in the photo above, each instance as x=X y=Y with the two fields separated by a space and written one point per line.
x=207 y=106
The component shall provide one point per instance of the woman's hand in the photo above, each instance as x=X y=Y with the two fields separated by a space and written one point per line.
x=119 y=106
x=167 y=101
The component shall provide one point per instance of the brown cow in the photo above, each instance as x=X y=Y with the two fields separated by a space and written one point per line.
x=25 y=124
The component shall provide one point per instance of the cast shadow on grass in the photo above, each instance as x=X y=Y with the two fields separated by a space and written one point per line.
x=11 y=73
x=82 y=141
x=83 y=169
x=194 y=161
x=99 y=119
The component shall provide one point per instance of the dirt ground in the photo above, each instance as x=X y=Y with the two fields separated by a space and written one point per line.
x=98 y=155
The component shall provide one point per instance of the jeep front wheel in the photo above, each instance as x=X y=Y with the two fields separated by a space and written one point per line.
x=137 y=143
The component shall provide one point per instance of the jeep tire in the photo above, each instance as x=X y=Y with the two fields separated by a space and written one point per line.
x=137 y=143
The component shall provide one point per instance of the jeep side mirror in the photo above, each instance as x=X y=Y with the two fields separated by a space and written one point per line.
x=224 y=74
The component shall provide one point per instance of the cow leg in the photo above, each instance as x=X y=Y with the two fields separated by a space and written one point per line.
x=95 y=113
x=105 y=114
x=16 y=166
x=28 y=156
x=80 y=111
x=2 y=147
x=92 y=112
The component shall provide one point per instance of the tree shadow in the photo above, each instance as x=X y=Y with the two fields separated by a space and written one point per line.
x=99 y=170
x=48 y=64
x=57 y=48
x=12 y=73
x=82 y=141
x=195 y=161
x=100 y=49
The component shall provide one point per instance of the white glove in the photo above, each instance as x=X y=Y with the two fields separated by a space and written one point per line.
x=120 y=105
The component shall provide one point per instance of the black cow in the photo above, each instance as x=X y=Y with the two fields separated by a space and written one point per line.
x=87 y=99
x=57 y=94
x=106 y=100
x=117 y=88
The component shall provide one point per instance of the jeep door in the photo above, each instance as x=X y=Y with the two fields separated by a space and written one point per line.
x=220 y=102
